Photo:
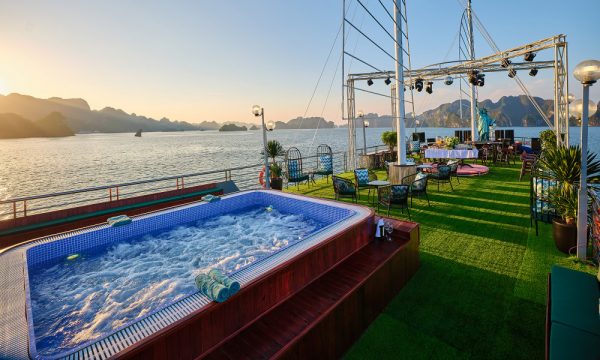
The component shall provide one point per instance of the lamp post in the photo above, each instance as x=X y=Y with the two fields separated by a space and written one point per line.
x=259 y=111
x=587 y=72
x=365 y=124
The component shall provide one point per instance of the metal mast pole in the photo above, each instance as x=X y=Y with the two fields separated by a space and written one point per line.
x=400 y=130
x=472 y=51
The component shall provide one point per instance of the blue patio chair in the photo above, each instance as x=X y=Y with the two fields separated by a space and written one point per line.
x=417 y=186
x=393 y=195
x=442 y=175
x=343 y=187
x=362 y=179
x=293 y=161
x=324 y=161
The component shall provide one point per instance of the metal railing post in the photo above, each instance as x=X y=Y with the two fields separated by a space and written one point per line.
x=24 y=208
x=14 y=209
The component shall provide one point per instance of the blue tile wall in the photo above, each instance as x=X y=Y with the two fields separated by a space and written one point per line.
x=39 y=254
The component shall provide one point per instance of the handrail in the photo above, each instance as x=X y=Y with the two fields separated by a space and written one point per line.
x=107 y=187
x=19 y=206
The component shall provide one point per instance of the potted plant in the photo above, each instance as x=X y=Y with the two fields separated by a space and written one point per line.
x=564 y=228
x=274 y=149
x=276 y=180
x=451 y=141
x=565 y=164
x=390 y=139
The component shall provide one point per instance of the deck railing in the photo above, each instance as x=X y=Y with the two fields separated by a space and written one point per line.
x=245 y=178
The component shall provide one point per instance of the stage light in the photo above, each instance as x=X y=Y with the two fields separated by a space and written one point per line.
x=388 y=81
x=480 y=79
x=533 y=72
x=505 y=62
x=449 y=80
x=512 y=73
x=429 y=87
x=529 y=56
x=419 y=85
x=369 y=82
x=473 y=77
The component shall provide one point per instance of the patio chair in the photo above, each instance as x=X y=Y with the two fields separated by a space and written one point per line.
x=528 y=164
x=454 y=169
x=362 y=177
x=442 y=175
x=393 y=195
x=293 y=161
x=324 y=161
x=343 y=187
x=417 y=184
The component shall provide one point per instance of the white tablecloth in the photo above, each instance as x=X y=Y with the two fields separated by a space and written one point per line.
x=451 y=154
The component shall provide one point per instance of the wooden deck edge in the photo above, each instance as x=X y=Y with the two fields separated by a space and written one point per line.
x=334 y=332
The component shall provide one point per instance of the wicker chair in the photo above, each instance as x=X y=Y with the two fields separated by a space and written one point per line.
x=454 y=170
x=362 y=181
x=541 y=185
x=293 y=162
x=343 y=187
x=417 y=186
x=442 y=175
x=324 y=161
x=528 y=164
x=393 y=195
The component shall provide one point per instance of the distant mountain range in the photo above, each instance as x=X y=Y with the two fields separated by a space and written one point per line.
x=508 y=111
x=27 y=116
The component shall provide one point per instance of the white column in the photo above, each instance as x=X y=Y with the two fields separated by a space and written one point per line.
x=474 y=135
x=400 y=128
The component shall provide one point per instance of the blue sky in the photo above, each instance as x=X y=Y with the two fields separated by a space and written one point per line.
x=212 y=60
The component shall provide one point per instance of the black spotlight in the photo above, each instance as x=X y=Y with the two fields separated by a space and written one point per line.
x=369 y=82
x=505 y=62
x=419 y=85
x=388 y=81
x=473 y=77
x=512 y=73
x=533 y=71
x=480 y=79
x=529 y=56
x=429 y=87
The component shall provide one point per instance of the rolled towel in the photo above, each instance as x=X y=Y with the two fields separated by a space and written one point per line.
x=232 y=285
x=213 y=289
x=210 y=198
x=118 y=220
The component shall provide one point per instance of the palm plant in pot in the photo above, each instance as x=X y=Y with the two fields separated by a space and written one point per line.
x=275 y=149
x=565 y=164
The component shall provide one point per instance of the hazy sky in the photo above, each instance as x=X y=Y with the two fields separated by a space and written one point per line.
x=212 y=60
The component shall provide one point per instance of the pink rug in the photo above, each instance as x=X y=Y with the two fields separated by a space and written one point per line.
x=473 y=170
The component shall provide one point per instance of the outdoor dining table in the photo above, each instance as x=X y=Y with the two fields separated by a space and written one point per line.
x=433 y=153
x=377 y=184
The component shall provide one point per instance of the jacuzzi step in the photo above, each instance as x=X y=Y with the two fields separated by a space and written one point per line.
x=326 y=317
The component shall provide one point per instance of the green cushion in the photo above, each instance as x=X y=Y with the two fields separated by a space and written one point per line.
x=569 y=343
x=575 y=299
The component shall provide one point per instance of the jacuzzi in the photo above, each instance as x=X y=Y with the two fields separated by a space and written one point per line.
x=114 y=291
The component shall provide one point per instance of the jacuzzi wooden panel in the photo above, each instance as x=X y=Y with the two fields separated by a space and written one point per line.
x=195 y=334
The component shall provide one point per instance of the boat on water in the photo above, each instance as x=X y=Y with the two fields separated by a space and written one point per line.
x=138 y=133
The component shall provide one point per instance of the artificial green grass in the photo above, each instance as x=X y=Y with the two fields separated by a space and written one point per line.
x=481 y=288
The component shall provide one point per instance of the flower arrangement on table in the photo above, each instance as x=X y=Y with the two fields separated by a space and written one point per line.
x=451 y=141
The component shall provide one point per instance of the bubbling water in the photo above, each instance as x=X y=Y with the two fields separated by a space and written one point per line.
x=75 y=301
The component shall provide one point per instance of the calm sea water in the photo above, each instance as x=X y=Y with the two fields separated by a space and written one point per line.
x=40 y=166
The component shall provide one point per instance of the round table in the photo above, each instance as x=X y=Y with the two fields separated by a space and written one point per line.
x=377 y=184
